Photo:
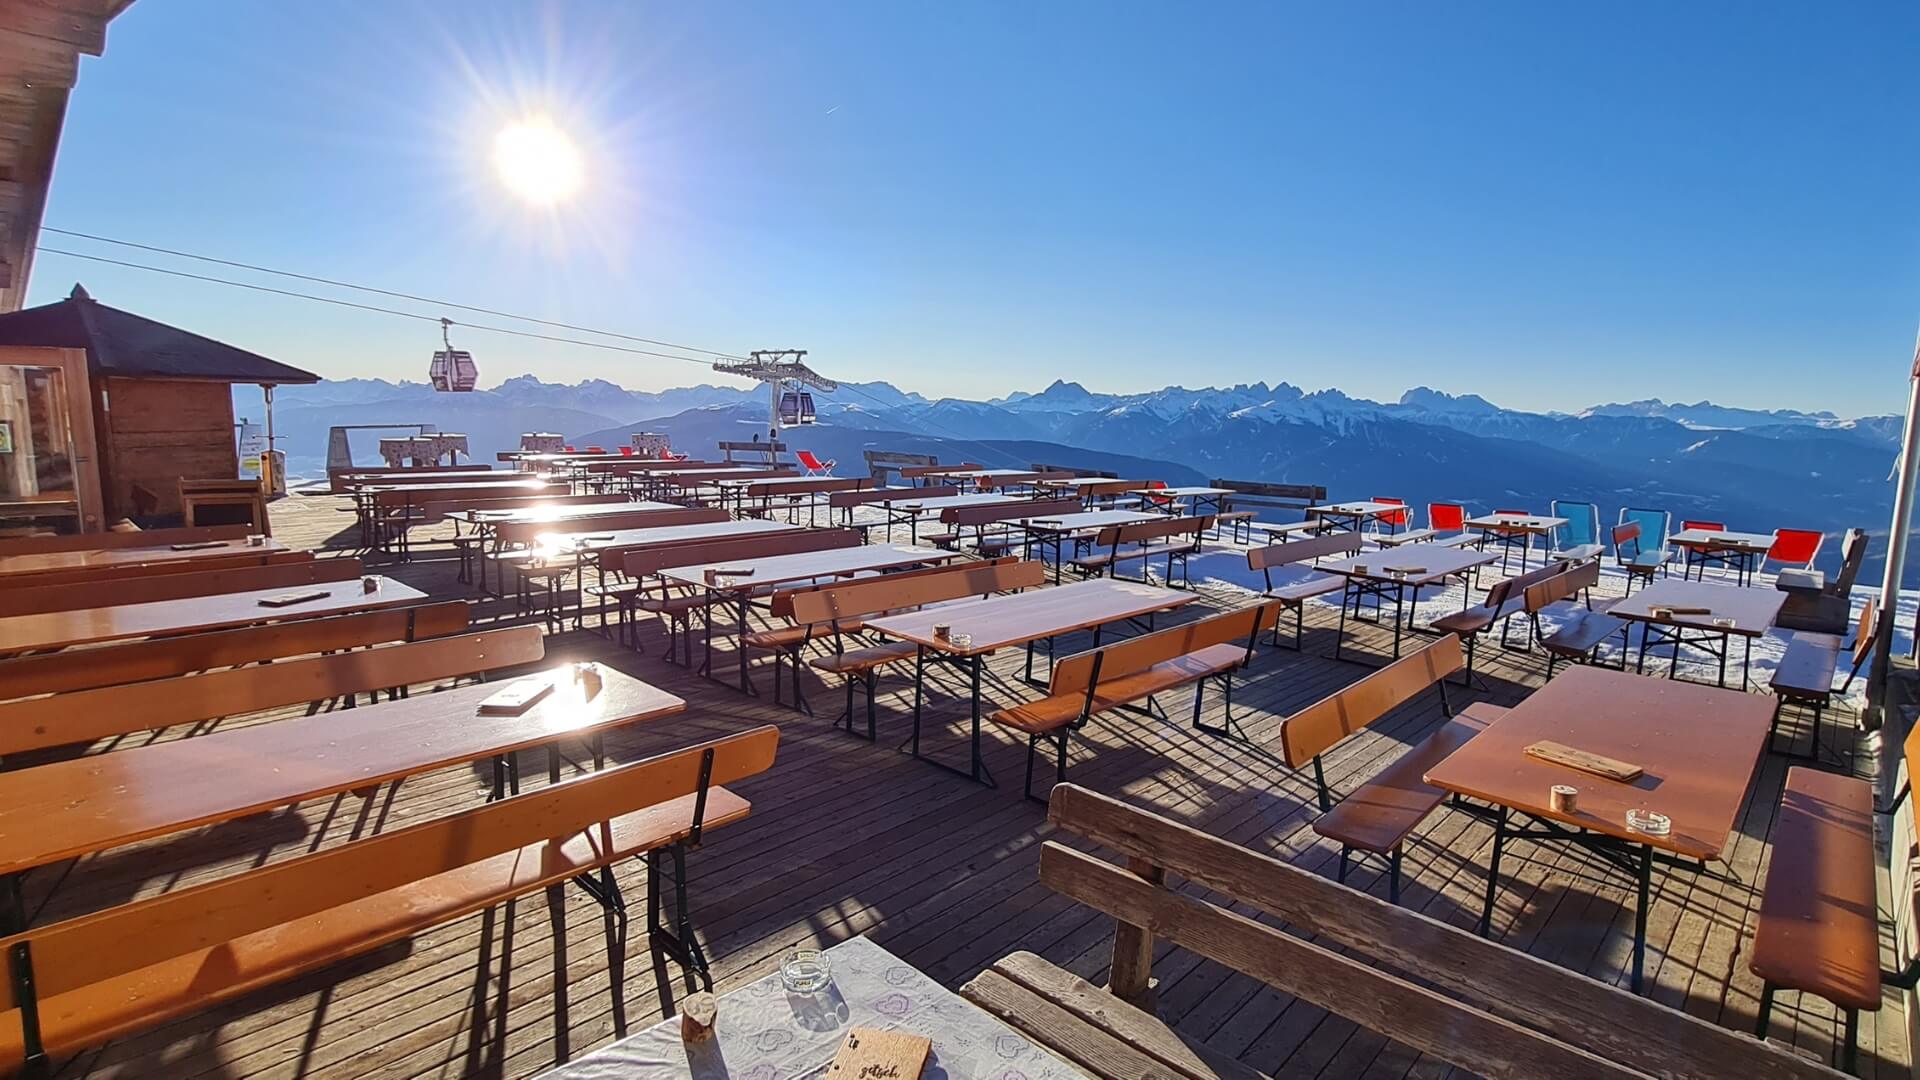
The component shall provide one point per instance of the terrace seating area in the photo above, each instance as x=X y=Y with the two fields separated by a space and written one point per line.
x=383 y=793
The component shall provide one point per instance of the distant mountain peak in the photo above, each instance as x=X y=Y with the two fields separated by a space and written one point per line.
x=1431 y=400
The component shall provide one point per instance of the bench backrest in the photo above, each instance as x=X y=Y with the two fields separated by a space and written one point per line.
x=627 y=466
x=1864 y=630
x=768 y=452
x=1312 y=730
x=1007 y=511
x=165 y=658
x=461 y=497
x=508 y=502
x=518 y=533
x=86 y=715
x=863 y=598
x=780 y=604
x=1507 y=588
x=1853 y=552
x=1293 y=551
x=1069 y=472
x=407 y=477
x=840 y=500
x=640 y=563
x=1142 y=532
x=238 y=559
x=815 y=485
x=1564 y=585
x=566 y=819
x=343 y=480
x=915 y=472
x=1109 y=487
x=113 y=541
x=1478 y=1004
x=1280 y=496
x=1077 y=672
x=38 y=599
x=713 y=478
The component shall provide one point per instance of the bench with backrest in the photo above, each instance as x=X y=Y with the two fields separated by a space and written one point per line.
x=760 y=453
x=845 y=501
x=843 y=609
x=882 y=463
x=640 y=588
x=1110 y=493
x=1176 y=538
x=787 y=640
x=86 y=716
x=1637 y=556
x=39 y=599
x=1805 y=675
x=1250 y=498
x=1487 y=1008
x=185 y=654
x=241 y=558
x=1296 y=591
x=83 y=981
x=112 y=541
x=930 y=472
x=1379 y=815
x=392 y=514
x=1818 y=927
x=1579 y=635
x=1505 y=599
x=1116 y=675
x=958 y=519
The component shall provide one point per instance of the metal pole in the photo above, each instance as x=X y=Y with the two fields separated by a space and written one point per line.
x=1896 y=546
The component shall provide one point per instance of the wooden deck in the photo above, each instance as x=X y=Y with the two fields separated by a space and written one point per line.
x=851 y=838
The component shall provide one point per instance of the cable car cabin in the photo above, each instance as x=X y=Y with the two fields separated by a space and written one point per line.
x=453 y=369
x=796 y=408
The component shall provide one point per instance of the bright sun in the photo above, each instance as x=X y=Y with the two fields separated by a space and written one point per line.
x=537 y=161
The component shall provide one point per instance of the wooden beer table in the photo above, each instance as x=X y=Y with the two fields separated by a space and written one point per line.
x=76 y=807
x=21 y=569
x=1742 y=551
x=1373 y=573
x=89 y=626
x=1000 y=622
x=1051 y=532
x=1698 y=746
x=908 y=509
x=1352 y=515
x=769 y=570
x=1527 y=526
x=1732 y=611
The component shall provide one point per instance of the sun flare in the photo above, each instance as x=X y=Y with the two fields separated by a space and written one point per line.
x=537 y=161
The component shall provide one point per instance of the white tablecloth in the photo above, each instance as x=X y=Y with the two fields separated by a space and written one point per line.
x=765 y=1033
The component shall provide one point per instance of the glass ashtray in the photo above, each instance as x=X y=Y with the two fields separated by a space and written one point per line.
x=960 y=640
x=805 y=971
x=1649 y=822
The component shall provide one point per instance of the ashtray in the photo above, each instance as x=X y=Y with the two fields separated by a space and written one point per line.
x=1649 y=822
x=805 y=971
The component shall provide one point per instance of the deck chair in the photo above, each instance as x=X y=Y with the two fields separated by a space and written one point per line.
x=1579 y=539
x=1642 y=549
x=813 y=465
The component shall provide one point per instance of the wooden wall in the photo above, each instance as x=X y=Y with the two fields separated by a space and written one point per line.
x=152 y=432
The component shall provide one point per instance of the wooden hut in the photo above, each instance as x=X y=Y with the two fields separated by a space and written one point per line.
x=161 y=400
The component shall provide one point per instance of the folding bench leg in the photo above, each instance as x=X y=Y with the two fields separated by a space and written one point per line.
x=678 y=942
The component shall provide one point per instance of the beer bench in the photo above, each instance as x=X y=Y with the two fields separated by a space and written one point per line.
x=84 y=981
x=1114 y=676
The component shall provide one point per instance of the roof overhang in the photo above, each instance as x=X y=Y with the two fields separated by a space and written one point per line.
x=40 y=46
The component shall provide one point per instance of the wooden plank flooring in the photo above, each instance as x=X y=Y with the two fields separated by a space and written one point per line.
x=852 y=838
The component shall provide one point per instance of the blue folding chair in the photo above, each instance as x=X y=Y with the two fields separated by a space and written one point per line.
x=1579 y=538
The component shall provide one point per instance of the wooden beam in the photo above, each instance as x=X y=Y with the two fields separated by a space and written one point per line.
x=73 y=26
x=1603 y=1018
x=1414 y=1015
x=32 y=172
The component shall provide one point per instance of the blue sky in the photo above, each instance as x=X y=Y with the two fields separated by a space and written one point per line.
x=1549 y=204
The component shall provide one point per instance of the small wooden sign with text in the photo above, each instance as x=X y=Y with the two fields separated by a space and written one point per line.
x=871 y=1054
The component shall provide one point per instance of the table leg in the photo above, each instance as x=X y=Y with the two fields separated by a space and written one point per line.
x=919 y=688
x=1640 y=915
x=974 y=663
x=1399 y=597
x=1493 y=869
x=740 y=645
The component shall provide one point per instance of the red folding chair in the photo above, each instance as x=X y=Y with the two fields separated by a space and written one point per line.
x=626 y=451
x=1166 y=504
x=1446 y=518
x=813 y=465
x=1795 y=548
x=1393 y=520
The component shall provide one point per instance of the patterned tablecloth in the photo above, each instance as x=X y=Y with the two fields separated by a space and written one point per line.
x=765 y=1033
